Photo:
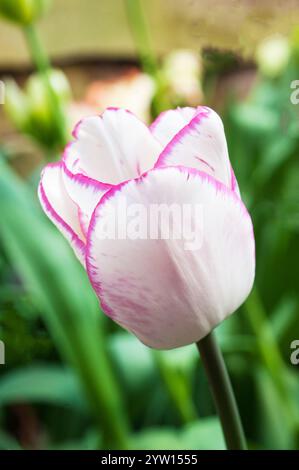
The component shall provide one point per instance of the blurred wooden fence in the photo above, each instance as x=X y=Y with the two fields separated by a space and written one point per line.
x=80 y=28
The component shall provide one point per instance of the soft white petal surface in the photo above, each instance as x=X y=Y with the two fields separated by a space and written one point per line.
x=167 y=295
x=112 y=148
x=60 y=208
x=201 y=144
x=85 y=193
x=170 y=122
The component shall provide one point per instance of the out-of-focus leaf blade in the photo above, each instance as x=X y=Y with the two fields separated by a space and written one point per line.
x=273 y=428
x=42 y=384
x=61 y=288
x=7 y=442
x=205 y=434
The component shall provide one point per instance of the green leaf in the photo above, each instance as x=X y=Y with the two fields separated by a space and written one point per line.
x=157 y=439
x=48 y=268
x=256 y=119
x=61 y=290
x=136 y=366
x=284 y=316
x=42 y=384
x=7 y=442
x=272 y=429
x=89 y=441
x=205 y=434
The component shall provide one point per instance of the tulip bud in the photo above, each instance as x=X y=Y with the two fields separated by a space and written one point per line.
x=273 y=55
x=182 y=69
x=33 y=112
x=39 y=98
x=42 y=110
x=16 y=105
x=23 y=12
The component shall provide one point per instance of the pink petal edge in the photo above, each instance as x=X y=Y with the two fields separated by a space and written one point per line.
x=110 y=108
x=161 y=116
x=203 y=113
x=75 y=134
x=85 y=180
x=75 y=241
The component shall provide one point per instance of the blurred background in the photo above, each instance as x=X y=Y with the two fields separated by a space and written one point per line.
x=72 y=379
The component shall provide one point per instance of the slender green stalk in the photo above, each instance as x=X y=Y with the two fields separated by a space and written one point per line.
x=141 y=37
x=43 y=66
x=147 y=56
x=176 y=388
x=222 y=391
x=38 y=54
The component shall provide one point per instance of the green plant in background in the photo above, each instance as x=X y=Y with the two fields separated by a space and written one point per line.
x=45 y=91
x=31 y=110
x=73 y=322
x=264 y=140
x=164 y=97
x=71 y=315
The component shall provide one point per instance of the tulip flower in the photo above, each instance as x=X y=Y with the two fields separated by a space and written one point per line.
x=166 y=295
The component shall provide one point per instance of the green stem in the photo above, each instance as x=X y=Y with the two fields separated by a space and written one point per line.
x=43 y=66
x=222 y=391
x=39 y=56
x=141 y=37
x=147 y=56
x=176 y=388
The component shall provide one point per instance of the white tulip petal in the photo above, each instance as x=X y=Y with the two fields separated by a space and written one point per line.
x=170 y=122
x=201 y=144
x=167 y=295
x=85 y=193
x=60 y=208
x=112 y=148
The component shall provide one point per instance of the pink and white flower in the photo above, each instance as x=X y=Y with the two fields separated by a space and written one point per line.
x=167 y=296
